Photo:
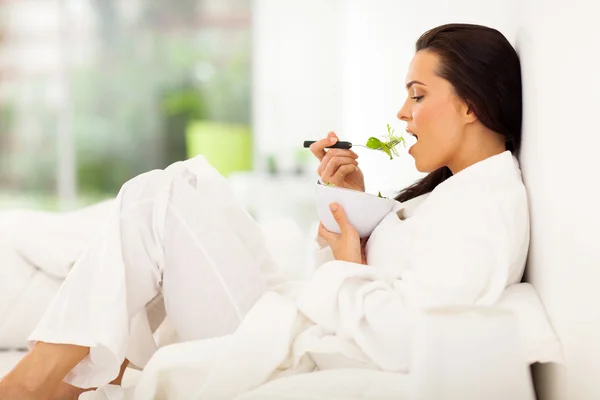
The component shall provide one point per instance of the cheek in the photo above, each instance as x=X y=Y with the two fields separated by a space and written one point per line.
x=433 y=122
x=426 y=114
x=426 y=120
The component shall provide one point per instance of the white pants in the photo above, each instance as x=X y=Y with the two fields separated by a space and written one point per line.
x=179 y=234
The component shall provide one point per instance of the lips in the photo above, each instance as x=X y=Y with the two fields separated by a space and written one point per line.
x=416 y=140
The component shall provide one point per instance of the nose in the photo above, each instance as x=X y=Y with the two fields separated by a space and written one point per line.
x=404 y=112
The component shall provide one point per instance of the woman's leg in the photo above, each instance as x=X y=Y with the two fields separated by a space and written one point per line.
x=55 y=361
x=210 y=284
x=69 y=392
x=216 y=265
x=52 y=362
x=87 y=324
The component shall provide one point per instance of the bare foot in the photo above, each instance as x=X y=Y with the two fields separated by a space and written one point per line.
x=39 y=374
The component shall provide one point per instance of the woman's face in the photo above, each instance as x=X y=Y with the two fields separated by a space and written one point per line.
x=434 y=114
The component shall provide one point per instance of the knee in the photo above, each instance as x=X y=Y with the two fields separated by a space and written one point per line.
x=145 y=186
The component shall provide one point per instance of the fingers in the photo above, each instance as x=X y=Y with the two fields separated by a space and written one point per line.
x=325 y=234
x=340 y=217
x=337 y=176
x=333 y=163
x=330 y=168
x=318 y=147
x=331 y=153
x=340 y=153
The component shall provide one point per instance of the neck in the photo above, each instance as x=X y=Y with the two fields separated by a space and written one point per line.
x=482 y=145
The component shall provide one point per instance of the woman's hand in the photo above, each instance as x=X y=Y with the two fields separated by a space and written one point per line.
x=346 y=246
x=338 y=166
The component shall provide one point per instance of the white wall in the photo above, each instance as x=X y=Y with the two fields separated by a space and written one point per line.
x=296 y=74
x=558 y=45
x=560 y=55
x=377 y=49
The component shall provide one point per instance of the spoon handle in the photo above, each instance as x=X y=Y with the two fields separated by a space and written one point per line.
x=337 y=145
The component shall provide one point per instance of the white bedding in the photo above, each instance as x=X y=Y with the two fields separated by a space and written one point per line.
x=335 y=384
x=178 y=370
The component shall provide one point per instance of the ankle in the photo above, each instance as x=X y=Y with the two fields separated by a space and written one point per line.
x=13 y=389
x=23 y=380
x=68 y=392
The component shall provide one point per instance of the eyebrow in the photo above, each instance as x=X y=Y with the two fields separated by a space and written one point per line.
x=409 y=84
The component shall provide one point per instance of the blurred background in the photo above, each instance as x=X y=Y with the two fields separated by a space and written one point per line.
x=95 y=92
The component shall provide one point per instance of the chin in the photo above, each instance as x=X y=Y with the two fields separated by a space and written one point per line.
x=425 y=169
x=427 y=165
x=420 y=167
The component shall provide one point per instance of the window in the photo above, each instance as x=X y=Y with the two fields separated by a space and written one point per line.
x=94 y=92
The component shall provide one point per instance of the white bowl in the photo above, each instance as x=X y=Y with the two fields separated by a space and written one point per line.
x=365 y=211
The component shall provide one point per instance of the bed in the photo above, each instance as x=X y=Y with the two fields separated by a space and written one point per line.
x=492 y=359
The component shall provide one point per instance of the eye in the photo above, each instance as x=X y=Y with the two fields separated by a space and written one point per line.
x=417 y=98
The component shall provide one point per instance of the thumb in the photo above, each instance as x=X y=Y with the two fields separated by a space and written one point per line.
x=332 y=135
x=340 y=217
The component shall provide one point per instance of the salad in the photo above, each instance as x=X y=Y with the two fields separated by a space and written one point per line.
x=388 y=143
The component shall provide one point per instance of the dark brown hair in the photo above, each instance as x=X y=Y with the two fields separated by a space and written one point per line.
x=485 y=72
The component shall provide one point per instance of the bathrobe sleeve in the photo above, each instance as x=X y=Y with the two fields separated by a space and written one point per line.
x=459 y=255
x=322 y=253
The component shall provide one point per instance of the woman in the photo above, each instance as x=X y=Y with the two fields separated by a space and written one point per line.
x=459 y=237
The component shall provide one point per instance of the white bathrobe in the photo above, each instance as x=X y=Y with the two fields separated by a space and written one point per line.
x=463 y=244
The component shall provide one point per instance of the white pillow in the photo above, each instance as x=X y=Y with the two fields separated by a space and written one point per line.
x=52 y=242
x=539 y=339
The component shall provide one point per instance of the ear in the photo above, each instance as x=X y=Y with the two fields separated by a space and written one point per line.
x=468 y=114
